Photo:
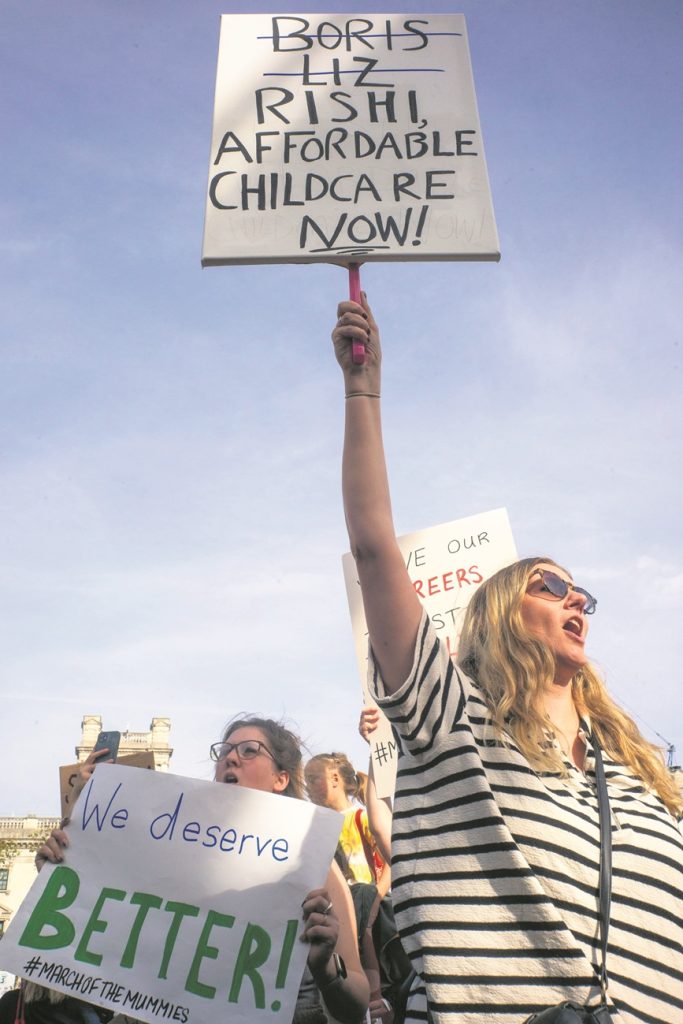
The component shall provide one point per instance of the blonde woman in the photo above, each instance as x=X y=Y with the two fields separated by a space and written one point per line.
x=332 y=781
x=495 y=846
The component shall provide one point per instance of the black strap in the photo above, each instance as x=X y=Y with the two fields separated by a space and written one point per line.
x=605 y=860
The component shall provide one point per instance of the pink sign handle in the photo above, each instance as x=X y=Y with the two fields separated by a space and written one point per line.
x=357 y=348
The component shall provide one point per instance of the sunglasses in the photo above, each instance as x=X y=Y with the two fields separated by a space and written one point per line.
x=559 y=588
x=246 y=750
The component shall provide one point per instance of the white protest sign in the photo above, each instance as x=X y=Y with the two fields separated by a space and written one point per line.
x=346 y=138
x=177 y=900
x=446 y=565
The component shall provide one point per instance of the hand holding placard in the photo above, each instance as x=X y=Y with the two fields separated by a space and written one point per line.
x=356 y=333
x=178 y=893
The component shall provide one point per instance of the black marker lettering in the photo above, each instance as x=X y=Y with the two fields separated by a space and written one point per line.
x=212 y=191
x=432 y=183
x=261 y=147
x=416 y=144
x=402 y=182
x=259 y=190
x=328 y=242
x=285 y=97
x=322 y=35
x=460 y=142
x=312 y=110
x=369 y=63
x=277 y=36
x=237 y=147
x=340 y=98
x=290 y=144
x=409 y=26
x=388 y=103
x=334 y=140
x=437 y=146
x=359 y=33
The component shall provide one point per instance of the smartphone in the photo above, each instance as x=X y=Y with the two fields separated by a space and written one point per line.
x=109 y=741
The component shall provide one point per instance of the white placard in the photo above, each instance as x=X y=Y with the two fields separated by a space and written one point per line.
x=177 y=900
x=446 y=565
x=346 y=138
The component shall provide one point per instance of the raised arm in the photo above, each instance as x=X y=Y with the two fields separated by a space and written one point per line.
x=379 y=808
x=392 y=608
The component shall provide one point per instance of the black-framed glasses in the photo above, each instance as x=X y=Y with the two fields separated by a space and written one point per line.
x=246 y=750
x=559 y=588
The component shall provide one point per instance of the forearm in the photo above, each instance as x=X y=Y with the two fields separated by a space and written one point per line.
x=365 y=484
x=379 y=819
x=384 y=880
x=346 y=999
x=392 y=609
x=365 y=487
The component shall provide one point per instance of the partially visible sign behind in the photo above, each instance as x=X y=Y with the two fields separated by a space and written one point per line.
x=346 y=138
x=68 y=777
x=446 y=564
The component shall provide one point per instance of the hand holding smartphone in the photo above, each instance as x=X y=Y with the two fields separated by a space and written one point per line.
x=108 y=742
x=106 y=749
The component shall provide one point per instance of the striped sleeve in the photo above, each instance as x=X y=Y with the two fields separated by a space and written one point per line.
x=430 y=701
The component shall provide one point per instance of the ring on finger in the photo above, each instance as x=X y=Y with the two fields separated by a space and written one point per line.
x=327 y=909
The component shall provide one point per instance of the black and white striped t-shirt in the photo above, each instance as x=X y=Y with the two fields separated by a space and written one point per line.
x=495 y=868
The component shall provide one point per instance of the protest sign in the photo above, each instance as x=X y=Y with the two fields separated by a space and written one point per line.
x=346 y=139
x=68 y=774
x=177 y=899
x=446 y=565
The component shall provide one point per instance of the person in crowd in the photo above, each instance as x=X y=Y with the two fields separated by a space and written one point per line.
x=496 y=841
x=260 y=753
x=332 y=781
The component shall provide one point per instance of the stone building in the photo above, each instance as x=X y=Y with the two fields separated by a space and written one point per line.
x=155 y=741
x=19 y=840
x=21 y=837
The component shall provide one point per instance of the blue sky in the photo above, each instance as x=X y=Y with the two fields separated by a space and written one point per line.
x=171 y=518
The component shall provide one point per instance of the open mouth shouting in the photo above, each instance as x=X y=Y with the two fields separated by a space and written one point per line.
x=574 y=626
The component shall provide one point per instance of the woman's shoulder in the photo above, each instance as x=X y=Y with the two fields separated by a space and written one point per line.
x=432 y=663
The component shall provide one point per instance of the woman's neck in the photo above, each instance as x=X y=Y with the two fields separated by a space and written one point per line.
x=559 y=706
x=340 y=803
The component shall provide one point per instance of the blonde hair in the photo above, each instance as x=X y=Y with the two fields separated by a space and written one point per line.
x=355 y=783
x=513 y=668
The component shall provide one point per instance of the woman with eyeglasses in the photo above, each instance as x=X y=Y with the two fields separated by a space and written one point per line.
x=496 y=840
x=260 y=753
